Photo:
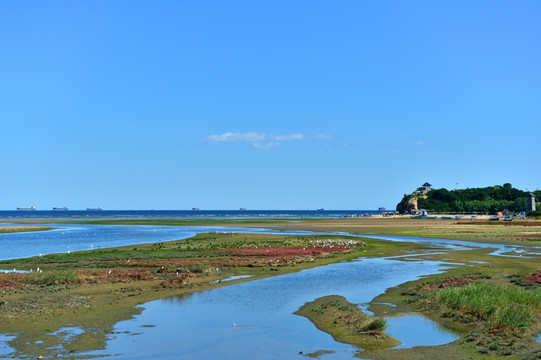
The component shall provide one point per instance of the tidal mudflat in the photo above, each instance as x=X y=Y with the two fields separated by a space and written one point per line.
x=115 y=281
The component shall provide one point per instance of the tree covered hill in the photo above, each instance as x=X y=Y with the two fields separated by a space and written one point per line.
x=490 y=199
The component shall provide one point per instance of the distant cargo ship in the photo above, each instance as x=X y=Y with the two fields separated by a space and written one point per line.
x=65 y=208
x=31 y=208
x=242 y=209
x=320 y=209
x=195 y=209
x=94 y=209
x=381 y=209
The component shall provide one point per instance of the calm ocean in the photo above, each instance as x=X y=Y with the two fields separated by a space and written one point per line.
x=10 y=214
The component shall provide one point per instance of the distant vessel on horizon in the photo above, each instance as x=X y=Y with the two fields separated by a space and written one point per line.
x=195 y=209
x=94 y=209
x=381 y=209
x=242 y=209
x=65 y=208
x=320 y=209
x=31 y=208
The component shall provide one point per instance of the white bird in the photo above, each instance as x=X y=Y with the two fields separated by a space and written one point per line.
x=235 y=325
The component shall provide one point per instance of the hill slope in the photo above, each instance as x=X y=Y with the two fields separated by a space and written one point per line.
x=490 y=199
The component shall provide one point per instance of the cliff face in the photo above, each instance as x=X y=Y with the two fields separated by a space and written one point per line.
x=407 y=205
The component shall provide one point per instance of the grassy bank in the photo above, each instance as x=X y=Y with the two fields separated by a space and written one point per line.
x=347 y=323
x=494 y=301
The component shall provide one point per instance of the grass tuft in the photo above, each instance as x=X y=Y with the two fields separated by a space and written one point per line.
x=378 y=324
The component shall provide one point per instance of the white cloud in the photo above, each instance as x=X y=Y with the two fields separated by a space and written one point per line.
x=231 y=136
x=266 y=145
x=287 y=137
x=258 y=140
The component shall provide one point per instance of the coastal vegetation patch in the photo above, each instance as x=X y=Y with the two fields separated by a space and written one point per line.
x=347 y=323
x=497 y=317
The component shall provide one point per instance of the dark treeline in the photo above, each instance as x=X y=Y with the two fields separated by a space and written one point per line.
x=490 y=199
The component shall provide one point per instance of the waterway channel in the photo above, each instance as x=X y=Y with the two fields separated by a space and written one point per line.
x=200 y=325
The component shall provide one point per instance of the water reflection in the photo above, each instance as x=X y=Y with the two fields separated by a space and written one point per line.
x=415 y=330
x=201 y=325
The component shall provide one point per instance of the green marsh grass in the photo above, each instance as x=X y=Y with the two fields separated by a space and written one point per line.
x=56 y=277
x=501 y=305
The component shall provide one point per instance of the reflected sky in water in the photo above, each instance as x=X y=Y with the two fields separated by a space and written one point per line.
x=200 y=326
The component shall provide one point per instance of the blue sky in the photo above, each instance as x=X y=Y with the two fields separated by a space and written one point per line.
x=264 y=104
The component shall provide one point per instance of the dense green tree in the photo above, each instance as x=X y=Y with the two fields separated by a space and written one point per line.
x=490 y=199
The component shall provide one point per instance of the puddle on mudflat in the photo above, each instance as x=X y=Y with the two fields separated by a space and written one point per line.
x=4 y=338
x=68 y=333
x=415 y=330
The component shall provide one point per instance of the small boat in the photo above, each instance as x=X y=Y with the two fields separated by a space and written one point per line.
x=494 y=218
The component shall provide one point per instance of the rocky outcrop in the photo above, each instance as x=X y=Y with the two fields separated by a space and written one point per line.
x=409 y=204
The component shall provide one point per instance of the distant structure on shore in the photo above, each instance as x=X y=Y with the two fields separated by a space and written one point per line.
x=31 y=208
x=530 y=203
